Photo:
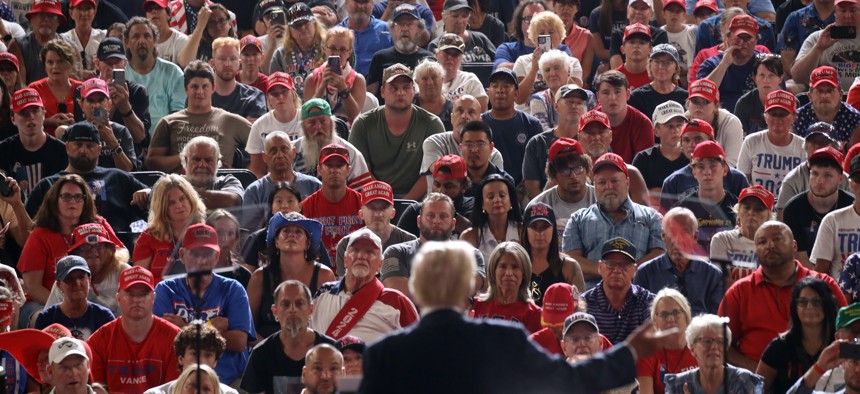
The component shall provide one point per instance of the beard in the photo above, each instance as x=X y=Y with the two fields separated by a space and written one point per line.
x=432 y=235
x=293 y=327
x=360 y=272
x=405 y=45
x=311 y=151
x=83 y=163
x=202 y=181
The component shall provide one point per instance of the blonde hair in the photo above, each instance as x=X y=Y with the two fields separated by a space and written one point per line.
x=443 y=274
x=222 y=42
x=669 y=293
x=189 y=372
x=289 y=44
x=340 y=32
x=426 y=65
x=159 y=227
x=519 y=253
x=547 y=19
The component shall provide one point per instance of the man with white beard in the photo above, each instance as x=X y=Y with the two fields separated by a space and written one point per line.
x=318 y=130
x=345 y=307
x=277 y=361
x=407 y=28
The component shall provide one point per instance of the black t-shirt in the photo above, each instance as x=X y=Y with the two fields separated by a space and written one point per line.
x=388 y=56
x=269 y=367
x=713 y=218
x=28 y=168
x=646 y=99
x=750 y=111
x=138 y=98
x=658 y=36
x=789 y=360
x=112 y=190
x=463 y=206
x=474 y=191
x=655 y=167
x=245 y=101
x=804 y=221
x=494 y=29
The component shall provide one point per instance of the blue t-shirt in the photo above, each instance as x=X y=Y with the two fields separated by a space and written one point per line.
x=374 y=37
x=245 y=101
x=510 y=51
x=255 y=202
x=223 y=297
x=16 y=375
x=681 y=183
x=81 y=327
x=511 y=136
x=737 y=81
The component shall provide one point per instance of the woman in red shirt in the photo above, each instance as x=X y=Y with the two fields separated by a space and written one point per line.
x=670 y=309
x=58 y=88
x=509 y=295
x=175 y=206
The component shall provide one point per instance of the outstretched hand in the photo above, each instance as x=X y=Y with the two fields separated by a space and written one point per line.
x=645 y=340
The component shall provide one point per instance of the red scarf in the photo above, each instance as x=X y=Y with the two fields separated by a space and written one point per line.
x=354 y=310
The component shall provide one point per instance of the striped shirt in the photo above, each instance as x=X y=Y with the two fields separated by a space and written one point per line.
x=617 y=325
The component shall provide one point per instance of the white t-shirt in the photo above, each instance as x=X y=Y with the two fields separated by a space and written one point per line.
x=838 y=238
x=731 y=246
x=766 y=163
x=843 y=51
x=523 y=65
x=730 y=135
x=14 y=29
x=564 y=209
x=267 y=124
x=91 y=51
x=464 y=83
x=170 y=49
x=685 y=42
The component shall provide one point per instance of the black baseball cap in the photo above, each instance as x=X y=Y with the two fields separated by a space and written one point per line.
x=507 y=74
x=619 y=245
x=110 y=47
x=82 y=132
x=299 y=12
x=537 y=212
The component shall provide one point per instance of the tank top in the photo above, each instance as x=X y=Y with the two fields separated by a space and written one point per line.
x=266 y=324
x=541 y=282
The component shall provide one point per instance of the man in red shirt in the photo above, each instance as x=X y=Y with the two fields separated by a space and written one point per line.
x=135 y=352
x=758 y=304
x=335 y=205
x=636 y=47
x=632 y=131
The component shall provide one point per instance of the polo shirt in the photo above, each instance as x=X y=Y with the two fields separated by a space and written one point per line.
x=799 y=25
x=759 y=310
x=701 y=282
x=617 y=325
x=589 y=228
x=374 y=37
x=846 y=121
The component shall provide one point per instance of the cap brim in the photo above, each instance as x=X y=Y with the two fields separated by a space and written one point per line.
x=778 y=106
x=644 y=36
x=300 y=19
x=377 y=198
x=393 y=77
x=334 y=155
x=572 y=324
x=538 y=219
x=25 y=345
x=632 y=259
x=94 y=91
x=598 y=122
x=27 y=105
x=762 y=201
x=752 y=33
x=827 y=81
x=459 y=7
x=446 y=47
x=73 y=269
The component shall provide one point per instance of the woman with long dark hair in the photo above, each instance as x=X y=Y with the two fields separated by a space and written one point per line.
x=498 y=219
x=539 y=238
x=214 y=21
x=812 y=328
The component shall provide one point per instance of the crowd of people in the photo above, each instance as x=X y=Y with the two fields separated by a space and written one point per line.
x=391 y=196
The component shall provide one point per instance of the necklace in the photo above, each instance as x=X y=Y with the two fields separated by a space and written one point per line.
x=678 y=362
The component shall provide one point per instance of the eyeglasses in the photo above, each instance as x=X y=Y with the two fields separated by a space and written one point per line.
x=338 y=50
x=616 y=266
x=576 y=170
x=527 y=20
x=803 y=302
x=474 y=145
x=69 y=197
x=675 y=314
x=218 y=22
x=708 y=342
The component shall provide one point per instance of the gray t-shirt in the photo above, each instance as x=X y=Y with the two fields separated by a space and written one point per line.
x=255 y=204
x=175 y=130
x=796 y=182
x=397 y=260
x=438 y=145
x=564 y=209
x=397 y=236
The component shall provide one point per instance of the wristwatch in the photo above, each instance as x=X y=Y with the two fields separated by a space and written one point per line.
x=344 y=93
x=117 y=150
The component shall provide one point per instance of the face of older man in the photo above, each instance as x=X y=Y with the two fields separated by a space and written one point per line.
x=201 y=163
x=363 y=259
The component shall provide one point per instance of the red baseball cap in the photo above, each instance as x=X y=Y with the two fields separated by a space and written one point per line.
x=376 y=190
x=828 y=153
x=334 y=150
x=49 y=7
x=89 y=234
x=593 y=116
x=824 y=74
x=636 y=29
x=854 y=151
x=135 y=275
x=250 y=40
x=837 y=2
x=709 y=4
x=456 y=166
x=564 y=147
x=706 y=89
x=744 y=24
x=94 y=85
x=709 y=150
x=610 y=159
x=280 y=79
x=559 y=302
x=700 y=126
x=24 y=98
x=200 y=235
x=160 y=3
x=8 y=57
x=781 y=99
x=681 y=3
x=75 y=3
x=760 y=193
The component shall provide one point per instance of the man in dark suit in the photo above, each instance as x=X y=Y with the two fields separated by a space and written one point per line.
x=448 y=352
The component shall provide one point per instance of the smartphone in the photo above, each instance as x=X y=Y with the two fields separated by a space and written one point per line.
x=545 y=43
x=843 y=32
x=5 y=190
x=279 y=18
x=100 y=115
x=334 y=63
x=118 y=76
x=849 y=351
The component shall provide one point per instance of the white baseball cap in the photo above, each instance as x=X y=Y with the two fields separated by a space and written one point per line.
x=65 y=347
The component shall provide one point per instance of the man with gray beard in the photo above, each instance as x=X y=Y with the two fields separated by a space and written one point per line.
x=407 y=28
x=318 y=130
x=277 y=361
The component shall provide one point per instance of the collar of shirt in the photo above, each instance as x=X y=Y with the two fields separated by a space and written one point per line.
x=760 y=280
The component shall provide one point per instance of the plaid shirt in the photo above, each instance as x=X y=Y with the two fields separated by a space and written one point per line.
x=590 y=227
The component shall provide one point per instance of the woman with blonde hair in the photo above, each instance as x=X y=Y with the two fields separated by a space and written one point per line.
x=527 y=67
x=670 y=309
x=303 y=48
x=429 y=76
x=509 y=294
x=175 y=206
x=198 y=379
x=343 y=88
